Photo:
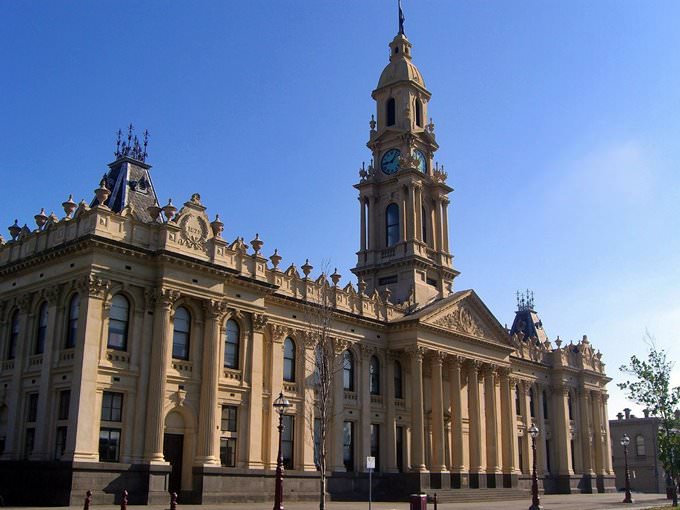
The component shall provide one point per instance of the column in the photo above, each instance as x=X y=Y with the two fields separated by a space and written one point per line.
x=43 y=424
x=607 y=437
x=160 y=359
x=255 y=404
x=561 y=431
x=456 y=416
x=508 y=424
x=13 y=447
x=305 y=425
x=477 y=452
x=445 y=220
x=541 y=462
x=438 y=444
x=585 y=427
x=390 y=422
x=142 y=380
x=362 y=228
x=82 y=439
x=417 y=417
x=337 y=463
x=364 y=428
x=596 y=403
x=490 y=400
x=437 y=227
x=278 y=333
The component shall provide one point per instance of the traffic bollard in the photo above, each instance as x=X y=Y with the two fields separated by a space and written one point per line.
x=173 y=501
x=435 y=501
x=88 y=500
x=123 y=501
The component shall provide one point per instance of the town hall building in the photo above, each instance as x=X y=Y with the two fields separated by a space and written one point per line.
x=142 y=347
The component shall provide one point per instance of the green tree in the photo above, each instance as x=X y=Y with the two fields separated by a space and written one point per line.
x=649 y=385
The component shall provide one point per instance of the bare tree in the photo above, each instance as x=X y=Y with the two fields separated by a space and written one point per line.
x=325 y=354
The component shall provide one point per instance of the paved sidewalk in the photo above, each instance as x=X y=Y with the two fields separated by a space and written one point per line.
x=551 y=502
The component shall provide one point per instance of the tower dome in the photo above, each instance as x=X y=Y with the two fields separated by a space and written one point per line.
x=400 y=67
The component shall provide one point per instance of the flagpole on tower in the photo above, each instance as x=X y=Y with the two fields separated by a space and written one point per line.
x=401 y=18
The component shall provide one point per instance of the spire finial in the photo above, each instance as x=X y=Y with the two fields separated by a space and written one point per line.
x=401 y=19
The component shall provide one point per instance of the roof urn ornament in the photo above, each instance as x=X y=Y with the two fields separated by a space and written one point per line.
x=306 y=268
x=372 y=123
x=69 y=206
x=276 y=259
x=217 y=226
x=335 y=277
x=102 y=193
x=40 y=219
x=154 y=211
x=169 y=210
x=257 y=244
x=362 y=287
x=14 y=230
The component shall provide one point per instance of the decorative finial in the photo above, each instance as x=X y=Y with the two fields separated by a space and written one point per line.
x=402 y=18
x=257 y=244
x=14 y=230
x=102 y=193
x=335 y=277
x=154 y=211
x=275 y=258
x=132 y=148
x=217 y=226
x=69 y=206
x=430 y=127
x=307 y=268
x=372 y=123
x=169 y=210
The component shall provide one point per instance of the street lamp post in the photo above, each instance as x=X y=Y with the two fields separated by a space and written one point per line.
x=280 y=404
x=535 y=500
x=625 y=441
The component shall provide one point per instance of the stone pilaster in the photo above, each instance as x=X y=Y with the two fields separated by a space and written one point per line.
x=255 y=405
x=390 y=422
x=508 y=426
x=477 y=451
x=458 y=459
x=490 y=406
x=561 y=431
x=417 y=417
x=365 y=401
x=306 y=426
x=278 y=334
x=437 y=392
x=161 y=353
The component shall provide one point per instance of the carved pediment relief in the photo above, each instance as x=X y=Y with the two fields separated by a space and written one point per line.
x=194 y=224
x=461 y=319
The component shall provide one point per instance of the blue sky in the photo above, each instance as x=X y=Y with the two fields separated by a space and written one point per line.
x=558 y=125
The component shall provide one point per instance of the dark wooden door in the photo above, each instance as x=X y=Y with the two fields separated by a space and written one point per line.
x=173 y=445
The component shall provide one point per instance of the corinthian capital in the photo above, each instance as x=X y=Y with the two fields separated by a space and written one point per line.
x=259 y=321
x=94 y=286
x=214 y=309
x=166 y=297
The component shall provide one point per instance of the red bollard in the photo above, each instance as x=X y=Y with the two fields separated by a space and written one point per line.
x=123 y=501
x=173 y=501
x=88 y=500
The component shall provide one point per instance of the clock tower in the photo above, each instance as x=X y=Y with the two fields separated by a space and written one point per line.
x=404 y=245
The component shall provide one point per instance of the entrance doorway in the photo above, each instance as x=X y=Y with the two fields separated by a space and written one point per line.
x=173 y=445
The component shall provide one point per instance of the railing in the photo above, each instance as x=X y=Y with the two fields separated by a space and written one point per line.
x=8 y=365
x=232 y=374
x=67 y=355
x=290 y=387
x=389 y=252
x=183 y=366
x=350 y=395
x=400 y=403
x=377 y=399
x=117 y=356
x=35 y=361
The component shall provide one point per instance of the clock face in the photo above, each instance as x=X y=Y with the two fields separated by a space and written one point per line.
x=422 y=162
x=390 y=161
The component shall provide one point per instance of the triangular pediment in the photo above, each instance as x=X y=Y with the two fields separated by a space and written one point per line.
x=466 y=314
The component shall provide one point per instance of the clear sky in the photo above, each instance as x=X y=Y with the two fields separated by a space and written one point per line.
x=557 y=120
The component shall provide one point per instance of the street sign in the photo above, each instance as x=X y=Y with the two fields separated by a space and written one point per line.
x=370 y=462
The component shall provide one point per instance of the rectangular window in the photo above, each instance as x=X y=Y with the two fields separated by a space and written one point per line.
x=400 y=449
x=228 y=451
x=375 y=445
x=229 y=415
x=112 y=406
x=348 y=445
x=64 y=404
x=32 y=408
x=109 y=445
x=60 y=442
x=287 y=442
x=29 y=442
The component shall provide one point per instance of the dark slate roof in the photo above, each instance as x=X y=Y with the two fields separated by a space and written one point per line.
x=130 y=183
x=529 y=324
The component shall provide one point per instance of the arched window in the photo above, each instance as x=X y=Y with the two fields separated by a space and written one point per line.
x=398 y=381
x=118 y=323
x=391 y=111
x=546 y=415
x=392 y=224
x=41 y=333
x=374 y=375
x=532 y=411
x=181 y=333
x=518 y=405
x=289 y=360
x=423 y=220
x=14 y=336
x=348 y=371
x=231 y=344
x=640 y=445
x=419 y=113
x=72 y=326
x=570 y=407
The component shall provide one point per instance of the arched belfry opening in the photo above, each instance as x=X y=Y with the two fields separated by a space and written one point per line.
x=391 y=112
